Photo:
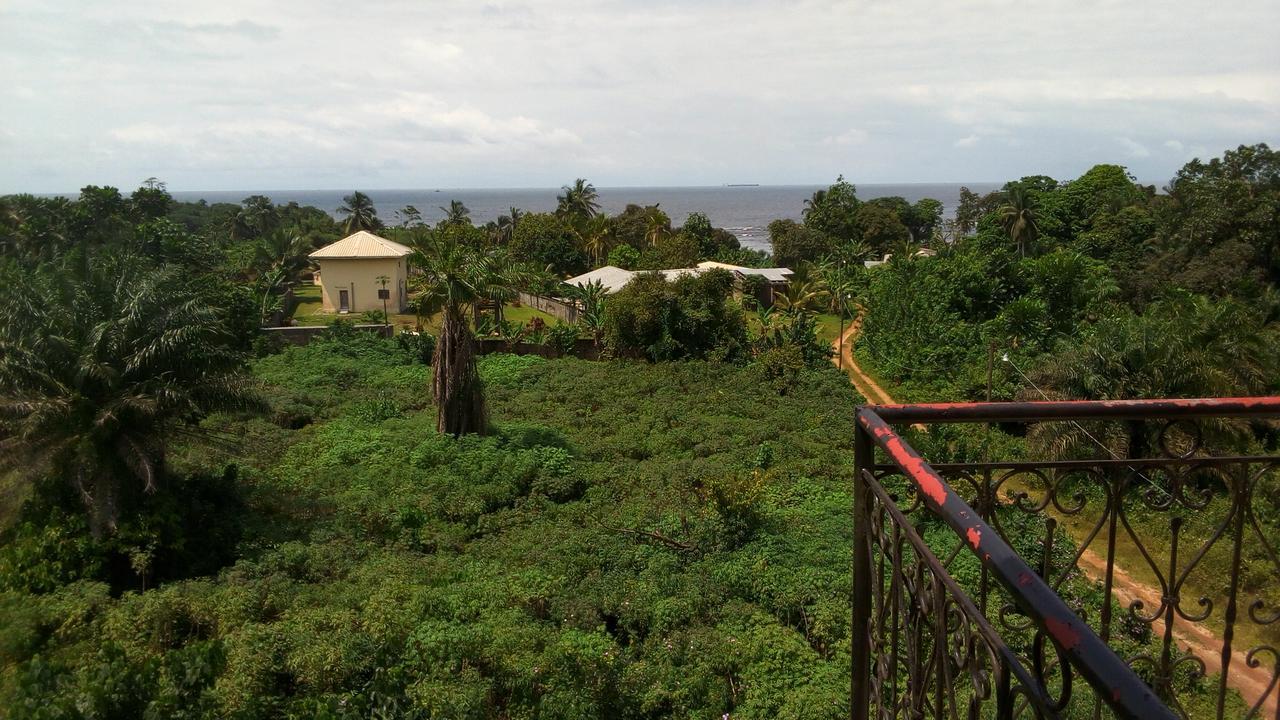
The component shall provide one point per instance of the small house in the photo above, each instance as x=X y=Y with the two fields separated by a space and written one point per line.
x=354 y=269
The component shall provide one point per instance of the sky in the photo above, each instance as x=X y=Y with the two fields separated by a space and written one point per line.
x=312 y=94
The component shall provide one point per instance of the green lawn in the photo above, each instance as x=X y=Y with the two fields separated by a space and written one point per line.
x=829 y=326
x=309 y=312
x=525 y=313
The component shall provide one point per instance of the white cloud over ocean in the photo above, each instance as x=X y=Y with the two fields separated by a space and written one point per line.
x=305 y=94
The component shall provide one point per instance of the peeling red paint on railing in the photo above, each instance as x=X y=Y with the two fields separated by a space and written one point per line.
x=911 y=463
x=1127 y=694
x=1064 y=632
x=1078 y=410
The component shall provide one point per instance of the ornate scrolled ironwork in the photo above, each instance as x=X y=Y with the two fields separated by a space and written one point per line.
x=1165 y=553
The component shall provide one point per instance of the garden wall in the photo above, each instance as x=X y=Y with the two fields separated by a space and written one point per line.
x=584 y=348
x=567 y=312
x=303 y=334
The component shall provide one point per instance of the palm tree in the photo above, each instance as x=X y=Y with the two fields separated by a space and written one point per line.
x=457 y=276
x=596 y=237
x=102 y=361
x=1018 y=217
x=1183 y=345
x=505 y=228
x=803 y=294
x=409 y=216
x=280 y=260
x=657 y=226
x=360 y=213
x=814 y=203
x=580 y=201
x=456 y=214
x=256 y=217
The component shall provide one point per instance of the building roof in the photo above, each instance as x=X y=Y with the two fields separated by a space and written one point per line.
x=778 y=274
x=361 y=245
x=610 y=277
x=614 y=278
x=677 y=273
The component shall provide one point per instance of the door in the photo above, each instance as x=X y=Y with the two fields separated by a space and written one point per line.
x=344 y=301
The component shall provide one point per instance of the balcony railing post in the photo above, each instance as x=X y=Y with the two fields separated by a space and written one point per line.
x=860 y=628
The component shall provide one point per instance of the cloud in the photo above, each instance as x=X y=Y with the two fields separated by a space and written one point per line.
x=852 y=136
x=1133 y=149
x=511 y=92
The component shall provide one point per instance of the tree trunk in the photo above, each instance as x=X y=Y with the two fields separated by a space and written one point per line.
x=456 y=385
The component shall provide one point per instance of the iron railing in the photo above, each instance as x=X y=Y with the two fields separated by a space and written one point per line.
x=1148 y=583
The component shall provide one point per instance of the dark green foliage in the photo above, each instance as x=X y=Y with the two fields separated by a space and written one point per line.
x=1099 y=300
x=691 y=318
x=621 y=546
x=624 y=256
x=794 y=243
x=103 y=359
x=834 y=212
x=680 y=250
x=419 y=345
x=548 y=240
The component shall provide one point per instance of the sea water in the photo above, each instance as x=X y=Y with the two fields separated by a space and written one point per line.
x=746 y=211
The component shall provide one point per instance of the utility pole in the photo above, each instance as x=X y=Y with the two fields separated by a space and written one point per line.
x=384 y=294
x=842 y=299
x=991 y=359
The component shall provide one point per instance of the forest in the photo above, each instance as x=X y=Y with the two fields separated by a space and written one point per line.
x=196 y=521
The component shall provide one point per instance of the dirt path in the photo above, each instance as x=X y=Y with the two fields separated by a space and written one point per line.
x=1251 y=683
x=867 y=386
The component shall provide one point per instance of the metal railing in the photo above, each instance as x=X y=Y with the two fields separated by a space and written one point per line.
x=1134 y=574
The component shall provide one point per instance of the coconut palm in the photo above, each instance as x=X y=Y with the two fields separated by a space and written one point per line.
x=360 y=213
x=102 y=362
x=580 y=201
x=409 y=216
x=814 y=203
x=505 y=228
x=596 y=238
x=1018 y=217
x=657 y=226
x=457 y=276
x=456 y=214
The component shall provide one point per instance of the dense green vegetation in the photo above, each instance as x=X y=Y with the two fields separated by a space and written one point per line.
x=633 y=541
x=194 y=523
x=1095 y=288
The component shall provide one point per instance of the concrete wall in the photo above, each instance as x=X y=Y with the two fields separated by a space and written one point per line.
x=360 y=278
x=303 y=334
x=565 y=311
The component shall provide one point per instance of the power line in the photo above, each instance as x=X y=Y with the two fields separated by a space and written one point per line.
x=1005 y=357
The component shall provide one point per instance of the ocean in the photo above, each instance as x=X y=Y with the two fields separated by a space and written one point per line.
x=746 y=211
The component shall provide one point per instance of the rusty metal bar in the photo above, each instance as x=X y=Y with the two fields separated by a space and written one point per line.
x=1079 y=410
x=860 y=628
x=1115 y=682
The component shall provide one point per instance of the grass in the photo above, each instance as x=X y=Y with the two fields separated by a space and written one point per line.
x=309 y=311
x=829 y=326
x=524 y=314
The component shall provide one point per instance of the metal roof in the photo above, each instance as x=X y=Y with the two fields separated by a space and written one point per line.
x=361 y=245
x=778 y=274
x=612 y=278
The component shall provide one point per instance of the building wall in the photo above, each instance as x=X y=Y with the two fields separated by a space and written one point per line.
x=360 y=279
